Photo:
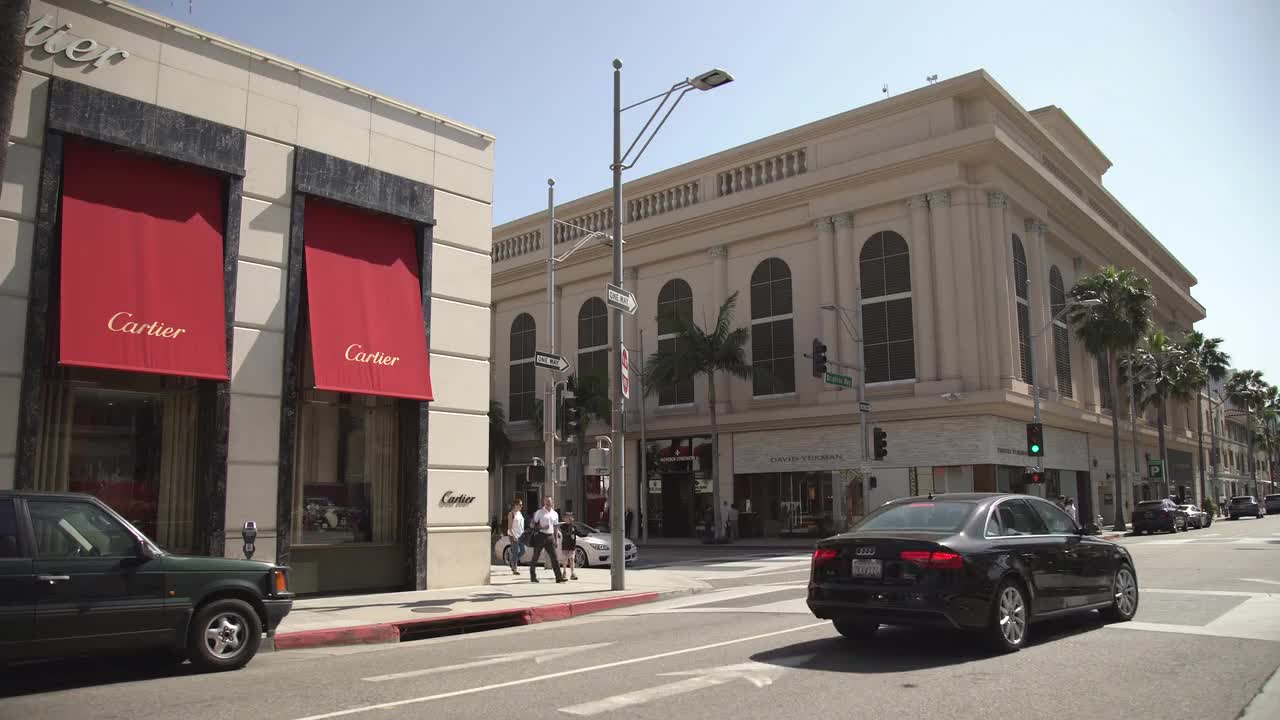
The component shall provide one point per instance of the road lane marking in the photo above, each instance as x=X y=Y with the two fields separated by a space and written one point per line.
x=756 y=673
x=538 y=656
x=1261 y=580
x=1221 y=593
x=552 y=676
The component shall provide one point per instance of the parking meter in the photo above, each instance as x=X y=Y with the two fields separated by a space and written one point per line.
x=250 y=534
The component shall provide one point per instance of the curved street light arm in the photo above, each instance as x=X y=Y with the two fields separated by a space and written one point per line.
x=671 y=108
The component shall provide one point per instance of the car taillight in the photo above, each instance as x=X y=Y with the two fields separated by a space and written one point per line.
x=280 y=581
x=1164 y=513
x=941 y=560
x=823 y=555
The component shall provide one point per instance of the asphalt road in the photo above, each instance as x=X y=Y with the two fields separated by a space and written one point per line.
x=1206 y=640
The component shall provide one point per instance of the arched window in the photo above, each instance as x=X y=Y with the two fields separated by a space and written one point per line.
x=1061 y=333
x=773 y=342
x=675 y=302
x=593 y=339
x=888 y=339
x=520 y=391
x=1024 y=310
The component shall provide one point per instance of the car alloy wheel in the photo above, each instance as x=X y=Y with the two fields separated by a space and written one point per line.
x=855 y=629
x=1007 y=630
x=224 y=635
x=580 y=557
x=1124 y=588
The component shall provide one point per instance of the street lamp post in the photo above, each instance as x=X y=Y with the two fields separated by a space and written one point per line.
x=617 y=486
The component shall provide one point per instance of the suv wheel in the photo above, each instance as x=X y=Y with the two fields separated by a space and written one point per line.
x=855 y=629
x=224 y=635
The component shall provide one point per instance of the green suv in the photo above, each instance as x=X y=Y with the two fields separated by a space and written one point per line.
x=76 y=579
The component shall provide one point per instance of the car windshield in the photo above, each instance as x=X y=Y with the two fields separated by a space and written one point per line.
x=1148 y=504
x=1242 y=499
x=931 y=516
x=585 y=529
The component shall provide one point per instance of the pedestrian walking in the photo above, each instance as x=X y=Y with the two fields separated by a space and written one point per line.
x=569 y=545
x=545 y=523
x=515 y=531
x=734 y=530
x=1070 y=506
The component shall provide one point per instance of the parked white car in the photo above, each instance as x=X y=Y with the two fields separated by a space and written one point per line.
x=594 y=548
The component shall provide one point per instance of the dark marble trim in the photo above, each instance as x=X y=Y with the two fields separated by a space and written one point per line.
x=291 y=387
x=415 y=420
x=326 y=176
x=97 y=114
x=37 y=353
x=218 y=402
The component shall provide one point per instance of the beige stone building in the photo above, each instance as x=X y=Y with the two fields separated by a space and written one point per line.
x=945 y=224
x=187 y=229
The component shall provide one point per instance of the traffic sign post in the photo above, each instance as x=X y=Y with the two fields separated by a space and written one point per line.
x=626 y=373
x=837 y=379
x=864 y=406
x=1155 y=469
x=550 y=361
x=620 y=299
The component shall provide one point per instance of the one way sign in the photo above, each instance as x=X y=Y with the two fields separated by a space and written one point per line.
x=548 y=360
x=620 y=298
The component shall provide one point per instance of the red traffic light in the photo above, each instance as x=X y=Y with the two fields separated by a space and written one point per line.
x=1033 y=477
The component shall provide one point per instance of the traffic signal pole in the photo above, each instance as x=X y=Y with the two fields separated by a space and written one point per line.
x=549 y=404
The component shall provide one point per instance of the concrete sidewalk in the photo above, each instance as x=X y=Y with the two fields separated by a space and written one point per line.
x=507 y=601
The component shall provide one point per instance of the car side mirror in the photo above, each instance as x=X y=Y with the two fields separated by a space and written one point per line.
x=1090 y=529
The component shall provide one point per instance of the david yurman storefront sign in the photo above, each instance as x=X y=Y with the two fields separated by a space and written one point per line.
x=44 y=31
x=449 y=499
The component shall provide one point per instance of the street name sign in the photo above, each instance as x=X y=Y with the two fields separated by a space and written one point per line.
x=620 y=299
x=548 y=360
x=837 y=379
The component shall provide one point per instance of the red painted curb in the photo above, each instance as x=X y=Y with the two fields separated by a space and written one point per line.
x=391 y=632
x=355 y=635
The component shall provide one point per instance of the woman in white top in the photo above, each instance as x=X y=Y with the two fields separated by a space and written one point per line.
x=515 y=531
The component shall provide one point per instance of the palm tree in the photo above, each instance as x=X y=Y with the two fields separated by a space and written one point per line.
x=699 y=352
x=1113 y=325
x=1162 y=366
x=13 y=28
x=1248 y=390
x=1205 y=362
x=499 y=441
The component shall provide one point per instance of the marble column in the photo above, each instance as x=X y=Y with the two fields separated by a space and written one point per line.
x=1000 y=290
x=946 y=301
x=922 y=290
x=1038 y=292
x=828 y=324
x=846 y=287
x=719 y=293
x=968 y=288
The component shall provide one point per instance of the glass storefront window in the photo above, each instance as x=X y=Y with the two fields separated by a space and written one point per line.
x=128 y=439
x=785 y=504
x=346 y=483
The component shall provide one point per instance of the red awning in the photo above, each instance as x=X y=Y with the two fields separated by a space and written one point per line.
x=365 y=303
x=141 y=280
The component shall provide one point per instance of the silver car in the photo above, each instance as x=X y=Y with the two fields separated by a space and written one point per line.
x=593 y=548
x=1196 y=518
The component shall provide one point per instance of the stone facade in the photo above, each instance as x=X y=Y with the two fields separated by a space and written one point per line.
x=955 y=172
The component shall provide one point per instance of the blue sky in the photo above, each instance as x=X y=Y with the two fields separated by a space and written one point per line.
x=1182 y=96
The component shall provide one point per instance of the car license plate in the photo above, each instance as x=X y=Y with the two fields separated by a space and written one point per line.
x=1149 y=515
x=867 y=569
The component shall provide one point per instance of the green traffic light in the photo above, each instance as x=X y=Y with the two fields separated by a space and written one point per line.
x=1035 y=448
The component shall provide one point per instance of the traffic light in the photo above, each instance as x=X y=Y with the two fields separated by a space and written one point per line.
x=880 y=442
x=819 y=356
x=537 y=475
x=1033 y=476
x=1035 y=439
x=572 y=418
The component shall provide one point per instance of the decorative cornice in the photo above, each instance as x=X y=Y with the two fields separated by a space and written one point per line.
x=997 y=199
x=918 y=202
x=718 y=251
x=842 y=221
x=823 y=225
x=1033 y=225
x=939 y=199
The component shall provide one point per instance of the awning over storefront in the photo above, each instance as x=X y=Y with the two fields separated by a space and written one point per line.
x=365 y=303
x=141 y=264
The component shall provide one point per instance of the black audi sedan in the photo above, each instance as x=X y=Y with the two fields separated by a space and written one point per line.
x=993 y=563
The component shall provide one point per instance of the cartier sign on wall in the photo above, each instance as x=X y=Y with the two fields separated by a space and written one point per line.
x=452 y=499
x=55 y=40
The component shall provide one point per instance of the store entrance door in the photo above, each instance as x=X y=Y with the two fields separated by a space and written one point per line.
x=677 y=506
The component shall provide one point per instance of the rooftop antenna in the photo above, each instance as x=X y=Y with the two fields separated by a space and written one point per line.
x=931 y=79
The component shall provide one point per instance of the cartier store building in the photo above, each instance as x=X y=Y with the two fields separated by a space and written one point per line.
x=234 y=289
